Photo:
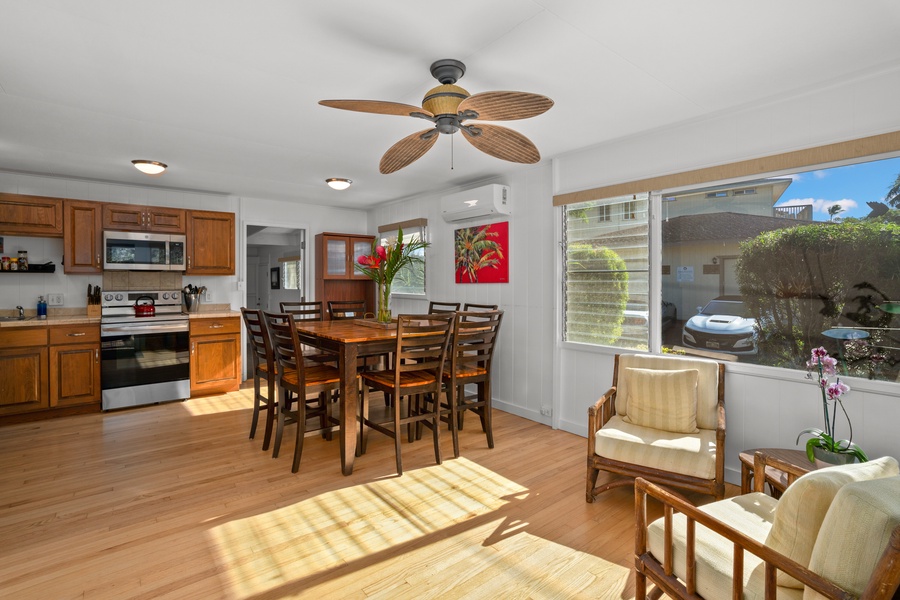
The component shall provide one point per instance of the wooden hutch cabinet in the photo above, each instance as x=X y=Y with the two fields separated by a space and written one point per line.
x=336 y=277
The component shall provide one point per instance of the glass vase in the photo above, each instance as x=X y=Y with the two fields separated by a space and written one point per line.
x=383 y=302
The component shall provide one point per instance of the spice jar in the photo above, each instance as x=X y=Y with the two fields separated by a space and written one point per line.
x=23 y=260
x=5 y=263
x=14 y=264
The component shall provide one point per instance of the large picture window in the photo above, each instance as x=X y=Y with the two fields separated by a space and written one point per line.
x=606 y=285
x=760 y=270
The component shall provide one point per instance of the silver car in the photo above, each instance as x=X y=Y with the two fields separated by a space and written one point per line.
x=723 y=325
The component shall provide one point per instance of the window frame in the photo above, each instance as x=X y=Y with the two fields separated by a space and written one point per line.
x=386 y=232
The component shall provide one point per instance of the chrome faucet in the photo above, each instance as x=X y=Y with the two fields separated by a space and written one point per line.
x=21 y=312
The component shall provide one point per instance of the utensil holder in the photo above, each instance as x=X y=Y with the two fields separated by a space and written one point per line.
x=191 y=302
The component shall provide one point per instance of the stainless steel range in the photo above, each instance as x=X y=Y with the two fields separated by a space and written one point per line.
x=145 y=350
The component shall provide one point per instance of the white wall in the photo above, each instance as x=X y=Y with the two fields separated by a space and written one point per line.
x=522 y=378
x=765 y=406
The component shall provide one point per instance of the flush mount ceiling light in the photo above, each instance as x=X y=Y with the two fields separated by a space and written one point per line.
x=150 y=167
x=338 y=183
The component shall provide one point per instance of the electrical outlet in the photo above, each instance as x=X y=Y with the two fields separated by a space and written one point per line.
x=56 y=299
x=546 y=411
x=207 y=297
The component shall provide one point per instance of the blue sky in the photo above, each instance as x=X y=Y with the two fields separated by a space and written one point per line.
x=851 y=187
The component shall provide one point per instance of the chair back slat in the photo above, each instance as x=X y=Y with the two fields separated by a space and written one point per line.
x=258 y=336
x=474 y=339
x=470 y=307
x=304 y=311
x=346 y=309
x=422 y=342
x=285 y=343
x=442 y=307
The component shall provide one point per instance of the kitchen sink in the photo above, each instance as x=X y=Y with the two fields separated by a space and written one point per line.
x=7 y=319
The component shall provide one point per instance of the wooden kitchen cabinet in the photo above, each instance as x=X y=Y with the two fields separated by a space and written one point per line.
x=210 y=243
x=74 y=365
x=156 y=219
x=336 y=277
x=23 y=370
x=215 y=355
x=31 y=215
x=83 y=237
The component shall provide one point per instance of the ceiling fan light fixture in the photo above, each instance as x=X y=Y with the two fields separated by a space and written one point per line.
x=338 y=183
x=150 y=167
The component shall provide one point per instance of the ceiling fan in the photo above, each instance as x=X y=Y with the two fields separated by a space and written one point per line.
x=449 y=106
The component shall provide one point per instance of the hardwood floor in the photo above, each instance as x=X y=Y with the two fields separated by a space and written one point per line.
x=174 y=501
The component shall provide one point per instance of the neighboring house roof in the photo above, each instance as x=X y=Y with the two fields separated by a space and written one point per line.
x=722 y=226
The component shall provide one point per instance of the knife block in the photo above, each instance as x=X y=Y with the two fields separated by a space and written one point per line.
x=93 y=310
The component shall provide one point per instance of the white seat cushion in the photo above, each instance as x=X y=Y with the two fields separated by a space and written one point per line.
x=691 y=454
x=805 y=503
x=752 y=515
x=855 y=532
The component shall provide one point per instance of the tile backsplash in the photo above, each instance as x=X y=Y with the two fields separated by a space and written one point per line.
x=142 y=280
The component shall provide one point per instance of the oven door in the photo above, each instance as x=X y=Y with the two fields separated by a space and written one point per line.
x=128 y=250
x=143 y=354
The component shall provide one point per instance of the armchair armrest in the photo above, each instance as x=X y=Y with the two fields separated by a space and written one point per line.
x=761 y=460
x=662 y=574
x=601 y=412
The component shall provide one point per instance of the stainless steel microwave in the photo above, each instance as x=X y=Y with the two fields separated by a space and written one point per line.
x=138 y=251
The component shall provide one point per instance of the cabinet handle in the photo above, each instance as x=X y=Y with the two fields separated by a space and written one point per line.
x=79 y=334
x=216 y=326
x=189 y=262
x=97 y=356
x=192 y=348
x=98 y=260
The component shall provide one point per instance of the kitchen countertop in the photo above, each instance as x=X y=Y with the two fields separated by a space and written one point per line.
x=215 y=314
x=52 y=320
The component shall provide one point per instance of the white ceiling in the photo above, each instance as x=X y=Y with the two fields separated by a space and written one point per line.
x=226 y=92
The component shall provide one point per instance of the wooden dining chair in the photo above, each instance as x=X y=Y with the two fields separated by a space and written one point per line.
x=471 y=354
x=346 y=309
x=424 y=338
x=263 y=368
x=300 y=378
x=440 y=307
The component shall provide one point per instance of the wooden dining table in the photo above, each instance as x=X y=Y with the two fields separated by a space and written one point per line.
x=349 y=339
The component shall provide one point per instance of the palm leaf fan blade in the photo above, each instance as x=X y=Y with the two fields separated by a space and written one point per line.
x=504 y=106
x=502 y=142
x=407 y=151
x=376 y=106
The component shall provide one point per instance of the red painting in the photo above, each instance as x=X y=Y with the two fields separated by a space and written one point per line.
x=482 y=253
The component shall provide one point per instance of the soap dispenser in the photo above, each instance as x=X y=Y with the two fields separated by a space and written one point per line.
x=41 y=308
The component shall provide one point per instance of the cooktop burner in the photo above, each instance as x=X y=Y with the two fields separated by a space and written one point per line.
x=119 y=306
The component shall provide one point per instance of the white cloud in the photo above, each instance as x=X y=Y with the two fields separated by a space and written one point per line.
x=820 y=174
x=821 y=206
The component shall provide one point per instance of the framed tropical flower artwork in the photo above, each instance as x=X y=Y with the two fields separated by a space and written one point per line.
x=482 y=253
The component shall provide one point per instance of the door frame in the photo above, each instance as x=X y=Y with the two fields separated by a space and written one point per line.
x=242 y=276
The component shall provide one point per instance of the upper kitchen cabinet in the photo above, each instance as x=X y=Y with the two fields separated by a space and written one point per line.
x=31 y=215
x=210 y=243
x=83 y=238
x=128 y=217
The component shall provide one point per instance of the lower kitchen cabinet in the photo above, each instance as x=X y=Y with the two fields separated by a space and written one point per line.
x=74 y=365
x=23 y=370
x=215 y=355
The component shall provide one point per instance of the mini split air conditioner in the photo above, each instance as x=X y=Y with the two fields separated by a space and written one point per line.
x=484 y=201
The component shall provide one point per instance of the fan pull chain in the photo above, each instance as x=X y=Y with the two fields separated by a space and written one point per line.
x=451 y=152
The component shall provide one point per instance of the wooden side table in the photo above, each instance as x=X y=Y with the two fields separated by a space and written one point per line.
x=777 y=479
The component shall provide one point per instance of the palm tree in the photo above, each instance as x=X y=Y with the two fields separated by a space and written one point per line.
x=834 y=210
x=475 y=251
x=893 y=195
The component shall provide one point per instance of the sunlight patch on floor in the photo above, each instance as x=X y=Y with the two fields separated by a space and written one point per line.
x=351 y=526
x=240 y=400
